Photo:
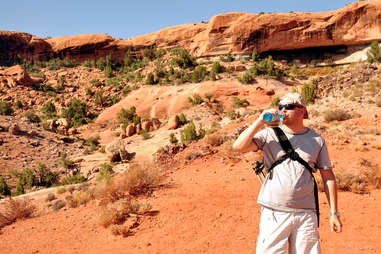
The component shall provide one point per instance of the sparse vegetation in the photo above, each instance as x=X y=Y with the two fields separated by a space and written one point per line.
x=239 y=103
x=4 y=189
x=5 y=108
x=195 y=99
x=191 y=134
x=75 y=113
x=14 y=209
x=336 y=115
x=374 y=53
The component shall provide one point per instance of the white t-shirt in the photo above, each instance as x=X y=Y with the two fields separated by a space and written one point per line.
x=291 y=187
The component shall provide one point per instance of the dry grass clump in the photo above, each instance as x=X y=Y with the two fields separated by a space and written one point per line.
x=13 y=209
x=229 y=152
x=58 y=205
x=80 y=198
x=214 y=139
x=336 y=115
x=371 y=173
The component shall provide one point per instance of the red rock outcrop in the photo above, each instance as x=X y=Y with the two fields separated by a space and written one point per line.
x=235 y=33
x=17 y=75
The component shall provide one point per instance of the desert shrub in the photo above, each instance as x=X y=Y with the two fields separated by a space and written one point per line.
x=183 y=119
x=93 y=142
x=5 y=108
x=49 y=109
x=74 y=179
x=374 y=53
x=254 y=56
x=19 y=189
x=336 y=115
x=18 y=104
x=122 y=230
x=105 y=172
x=266 y=67
x=239 y=103
x=126 y=116
x=228 y=150
x=196 y=100
x=65 y=162
x=4 y=189
x=114 y=81
x=349 y=182
x=80 y=198
x=216 y=67
x=95 y=82
x=108 y=71
x=150 y=80
x=227 y=58
x=182 y=58
x=32 y=117
x=50 y=197
x=75 y=113
x=246 y=78
x=191 y=134
x=99 y=99
x=44 y=176
x=58 y=205
x=371 y=173
x=199 y=74
x=214 y=139
x=141 y=179
x=232 y=114
x=13 y=209
x=26 y=177
x=173 y=139
x=309 y=92
x=61 y=190
x=113 y=99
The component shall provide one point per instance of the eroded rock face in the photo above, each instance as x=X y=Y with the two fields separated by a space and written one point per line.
x=17 y=75
x=235 y=33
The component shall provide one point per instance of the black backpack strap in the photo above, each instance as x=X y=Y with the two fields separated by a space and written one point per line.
x=290 y=153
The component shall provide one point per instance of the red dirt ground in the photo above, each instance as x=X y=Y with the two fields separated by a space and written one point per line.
x=209 y=206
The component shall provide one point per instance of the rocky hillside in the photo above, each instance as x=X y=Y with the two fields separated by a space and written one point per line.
x=234 y=33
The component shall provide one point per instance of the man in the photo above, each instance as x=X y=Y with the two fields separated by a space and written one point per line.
x=289 y=218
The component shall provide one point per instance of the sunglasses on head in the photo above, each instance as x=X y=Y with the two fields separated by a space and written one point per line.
x=289 y=106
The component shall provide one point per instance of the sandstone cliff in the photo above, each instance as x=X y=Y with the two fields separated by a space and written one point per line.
x=235 y=33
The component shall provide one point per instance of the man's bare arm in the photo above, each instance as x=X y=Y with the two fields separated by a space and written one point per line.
x=244 y=142
x=331 y=193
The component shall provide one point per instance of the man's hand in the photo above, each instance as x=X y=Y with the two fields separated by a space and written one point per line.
x=336 y=224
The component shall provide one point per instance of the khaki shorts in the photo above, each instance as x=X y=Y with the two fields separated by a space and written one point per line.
x=280 y=231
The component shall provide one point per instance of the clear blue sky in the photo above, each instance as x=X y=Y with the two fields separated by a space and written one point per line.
x=126 y=19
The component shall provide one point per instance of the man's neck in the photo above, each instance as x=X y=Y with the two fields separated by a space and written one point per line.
x=295 y=128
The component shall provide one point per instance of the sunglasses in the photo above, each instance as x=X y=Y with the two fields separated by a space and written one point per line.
x=289 y=106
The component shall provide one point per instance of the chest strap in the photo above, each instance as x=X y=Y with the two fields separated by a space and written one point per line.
x=290 y=153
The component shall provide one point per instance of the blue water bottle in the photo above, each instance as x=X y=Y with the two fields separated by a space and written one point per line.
x=269 y=117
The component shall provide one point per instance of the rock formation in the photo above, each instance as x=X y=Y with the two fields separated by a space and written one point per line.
x=235 y=33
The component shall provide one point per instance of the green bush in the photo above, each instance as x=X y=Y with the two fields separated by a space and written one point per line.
x=216 y=67
x=190 y=133
x=5 y=108
x=75 y=113
x=99 y=99
x=108 y=71
x=309 y=92
x=93 y=142
x=246 y=78
x=196 y=100
x=126 y=116
x=58 y=205
x=95 y=82
x=19 y=189
x=232 y=114
x=199 y=74
x=238 y=103
x=374 y=53
x=49 y=109
x=74 y=179
x=45 y=177
x=32 y=117
x=105 y=172
x=25 y=178
x=182 y=118
x=182 y=58
x=150 y=80
x=173 y=139
x=4 y=189
x=128 y=60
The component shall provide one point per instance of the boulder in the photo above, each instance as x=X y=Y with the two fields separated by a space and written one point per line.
x=116 y=151
x=174 y=122
x=17 y=75
x=14 y=129
x=156 y=123
x=147 y=125
x=130 y=130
